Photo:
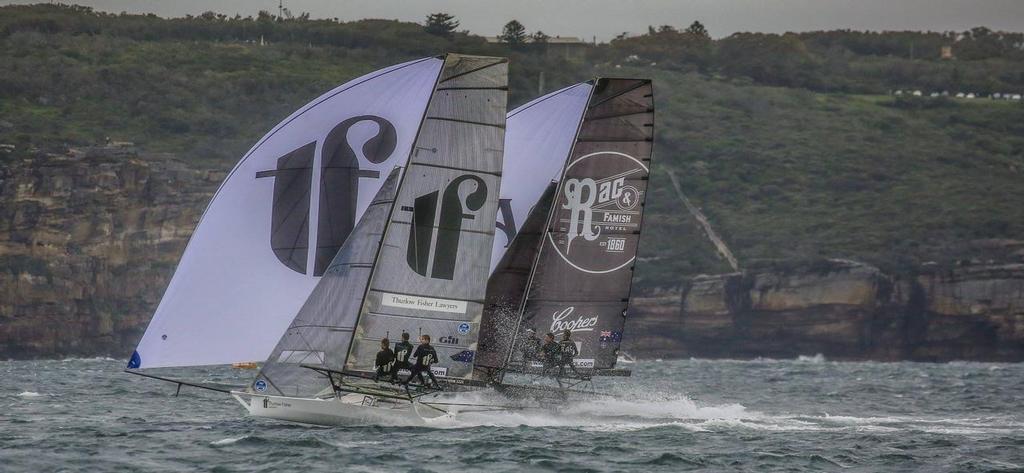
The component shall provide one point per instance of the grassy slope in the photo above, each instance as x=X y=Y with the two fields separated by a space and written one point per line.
x=792 y=174
x=782 y=173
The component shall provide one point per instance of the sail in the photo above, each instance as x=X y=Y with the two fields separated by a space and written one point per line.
x=281 y=215
x=584 y=269
x=430 y=275
x=322 y=330
x=538 y=138
x=507 y=286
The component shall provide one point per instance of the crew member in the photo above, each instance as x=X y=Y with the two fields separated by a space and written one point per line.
x=403 y=350
x=531 y=347
x=567 y=351
x=549 y=353
x=385 y=359
x=425 y=356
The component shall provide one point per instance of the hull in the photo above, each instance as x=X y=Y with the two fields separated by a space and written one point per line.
x=351 y=409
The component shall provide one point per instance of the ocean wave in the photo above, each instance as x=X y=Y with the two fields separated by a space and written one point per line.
x=29 y=394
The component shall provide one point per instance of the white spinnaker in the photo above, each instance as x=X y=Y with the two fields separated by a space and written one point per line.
x=538 y=137
x=231 y=296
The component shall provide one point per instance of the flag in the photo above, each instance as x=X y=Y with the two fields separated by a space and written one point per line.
x=465 y=356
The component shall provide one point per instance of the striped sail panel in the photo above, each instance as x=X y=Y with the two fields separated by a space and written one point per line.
x=584 y=271
x=430 y=277
x=322 y=330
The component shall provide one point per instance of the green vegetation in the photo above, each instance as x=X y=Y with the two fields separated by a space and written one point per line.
x=791 y=144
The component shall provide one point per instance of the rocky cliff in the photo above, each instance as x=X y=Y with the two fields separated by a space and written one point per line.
x=841 y=309
x=88 y=240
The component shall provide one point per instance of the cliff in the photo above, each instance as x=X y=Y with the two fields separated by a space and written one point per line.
x=90 y=237
x=88 y=240
x=841 y=309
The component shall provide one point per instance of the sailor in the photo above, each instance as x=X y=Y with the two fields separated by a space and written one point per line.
x=385 y=359
x=403 y=350
x=531 y=347
x=567 y=351
x=550 y=353
x=425 y=356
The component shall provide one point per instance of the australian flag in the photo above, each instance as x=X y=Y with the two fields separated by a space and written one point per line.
x=610 y=336
x=465 y=356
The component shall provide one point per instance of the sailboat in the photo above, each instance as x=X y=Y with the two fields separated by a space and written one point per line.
x=316 y=372
x=597 y=199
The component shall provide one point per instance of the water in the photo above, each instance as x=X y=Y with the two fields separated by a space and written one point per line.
x=794 y=415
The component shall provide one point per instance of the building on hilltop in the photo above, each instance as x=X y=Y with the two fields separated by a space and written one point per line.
x=569 y=48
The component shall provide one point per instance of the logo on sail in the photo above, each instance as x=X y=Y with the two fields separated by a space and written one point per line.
x=562 y=320
x=340 y=172
x=599 y=211
x=434 y=236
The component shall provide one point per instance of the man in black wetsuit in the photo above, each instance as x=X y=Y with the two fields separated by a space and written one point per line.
x=403 y=350
x=531 y=348
x=385 y=359
x=425 y=356
x=549 y=353
x=567 y=352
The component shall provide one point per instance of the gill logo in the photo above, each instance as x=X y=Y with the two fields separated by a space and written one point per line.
x=339 y=192
x=434 y=235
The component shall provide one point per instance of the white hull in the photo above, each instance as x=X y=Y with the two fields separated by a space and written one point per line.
x=351 y=409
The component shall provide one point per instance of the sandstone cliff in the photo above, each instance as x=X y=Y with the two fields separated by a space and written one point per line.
x=88 y=240
x=841 y=309
x=90 y=237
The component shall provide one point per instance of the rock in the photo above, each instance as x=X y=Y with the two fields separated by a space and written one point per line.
x=88 y=242
x=841 y=309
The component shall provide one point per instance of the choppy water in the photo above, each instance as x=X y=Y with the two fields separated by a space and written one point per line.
x=795 y=415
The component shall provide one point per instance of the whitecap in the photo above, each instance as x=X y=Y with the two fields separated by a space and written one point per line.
x=30 y=394
x=227 y=441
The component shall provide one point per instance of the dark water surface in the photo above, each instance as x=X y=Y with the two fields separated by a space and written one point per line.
x=795 y=415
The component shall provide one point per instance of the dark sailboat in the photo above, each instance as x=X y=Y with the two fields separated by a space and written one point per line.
x=571 y=266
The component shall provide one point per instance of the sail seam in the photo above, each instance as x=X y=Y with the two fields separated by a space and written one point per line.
x=647 y=139
x=640 y=84
x=545 y=98
x=456 y=168
x=476 y=232
x=461 y=74
x=470 y=122
x=624 y=114
x=474 y=88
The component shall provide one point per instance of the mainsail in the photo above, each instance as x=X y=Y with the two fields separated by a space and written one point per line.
x=280 y=217
x=582 y=272
x=322 y=330
x=430 y=275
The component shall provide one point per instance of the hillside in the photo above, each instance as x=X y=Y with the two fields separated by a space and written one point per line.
x=791 y=145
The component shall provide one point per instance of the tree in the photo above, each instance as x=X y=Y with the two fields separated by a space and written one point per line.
x=514 y=33
x=539 y=37
x=697 y=29
x=441 y=24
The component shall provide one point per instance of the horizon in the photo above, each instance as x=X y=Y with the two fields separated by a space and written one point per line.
x=603 y=19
